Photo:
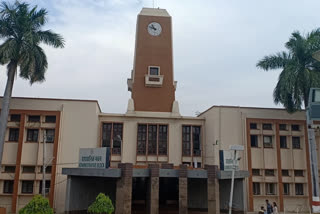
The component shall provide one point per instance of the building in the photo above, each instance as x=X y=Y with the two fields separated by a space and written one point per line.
x=160 y=160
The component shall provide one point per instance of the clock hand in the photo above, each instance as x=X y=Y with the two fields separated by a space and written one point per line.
x=153 y=27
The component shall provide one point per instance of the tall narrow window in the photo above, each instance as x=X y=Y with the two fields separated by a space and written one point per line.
x=13 y=134
x=142 y=139
x=49 y=135
x=152 y=139
x=32 y=135
x=296 y=142
x=196 y=140
x=186 y=140
x=154 y=70
x=299 y=189
x=267 y=141
x=117 y=138
x=286 y=188
x=283 y=142
x=163 y=139
x=106 y=134
x=256 y=188
x=8 y=186
x=254 y=140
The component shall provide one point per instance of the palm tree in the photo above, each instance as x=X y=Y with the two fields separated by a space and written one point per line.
x=20 y=29
x=300 y=71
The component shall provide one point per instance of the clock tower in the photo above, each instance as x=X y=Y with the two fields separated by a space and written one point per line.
x=152 y=83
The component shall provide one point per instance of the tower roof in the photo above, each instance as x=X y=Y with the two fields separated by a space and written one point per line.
x=154 y=12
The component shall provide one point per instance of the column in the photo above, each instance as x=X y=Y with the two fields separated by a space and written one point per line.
x=183 y=189
x=153 y=202
x=124 y=189
x=213 y=189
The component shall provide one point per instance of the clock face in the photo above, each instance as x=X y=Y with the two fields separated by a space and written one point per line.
x=154 y=29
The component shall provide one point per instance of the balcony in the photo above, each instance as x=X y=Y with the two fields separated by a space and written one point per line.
x=153 y=80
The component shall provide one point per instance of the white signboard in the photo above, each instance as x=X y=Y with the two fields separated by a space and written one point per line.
x=93 y=158
x=226 y=160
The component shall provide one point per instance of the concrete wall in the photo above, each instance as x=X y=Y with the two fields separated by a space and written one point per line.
x=78 y=129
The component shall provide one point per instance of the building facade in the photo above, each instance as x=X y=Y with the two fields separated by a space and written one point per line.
x=160 y=161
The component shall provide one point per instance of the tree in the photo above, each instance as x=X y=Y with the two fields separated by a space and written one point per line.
x=102 y=204
x=38 y=205
x=21 y=30
x=300 y=71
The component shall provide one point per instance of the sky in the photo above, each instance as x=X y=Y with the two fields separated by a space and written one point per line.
x=216 y=45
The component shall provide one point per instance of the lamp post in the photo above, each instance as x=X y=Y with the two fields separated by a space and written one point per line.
x=233 y=148
x=44 y=164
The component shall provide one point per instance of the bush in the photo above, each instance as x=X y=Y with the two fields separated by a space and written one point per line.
x=102 y=204
x=38 y=205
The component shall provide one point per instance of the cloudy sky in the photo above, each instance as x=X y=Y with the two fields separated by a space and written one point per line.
x=216 y=47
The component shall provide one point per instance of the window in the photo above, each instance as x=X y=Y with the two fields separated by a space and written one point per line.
x=47 y=190
x=112 y=136
x=32 y=135
x=28 y=169
x=269 y=172
x=267 y=141
x=13 y=134
x=191 y=140
x=296 y=142
x=256 y=188
x=299 y=189
x=163 y=139
x=50 y=119
x=142 y=139
x=27 y=187
x=286 y=189
x=283 y=142
x=295 y=127
x=253 y=126
x=9 y=169
x=298 y=173
x=48 y=169
x=254 y=140
x=152 y=139
x=267 y=126
x=186 y=140
x=8 y=186
x=283 y=127
x=285 y=172
x=256 y=172
x=15 y=117
x=270 y=189
x=34 y=118
x=196 y=140
x=154 y=70
x=50 y=135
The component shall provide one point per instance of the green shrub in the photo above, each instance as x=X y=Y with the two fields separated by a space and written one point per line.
x=102 y=204
x=38 y=205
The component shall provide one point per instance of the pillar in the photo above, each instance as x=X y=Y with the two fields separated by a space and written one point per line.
x=213 y=189
x=183 y=189
x=153 y=202
x=124 y=189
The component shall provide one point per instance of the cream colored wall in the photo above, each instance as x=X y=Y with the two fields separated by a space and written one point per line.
x=130 y=127
x=78 y=129
x=227 y=125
